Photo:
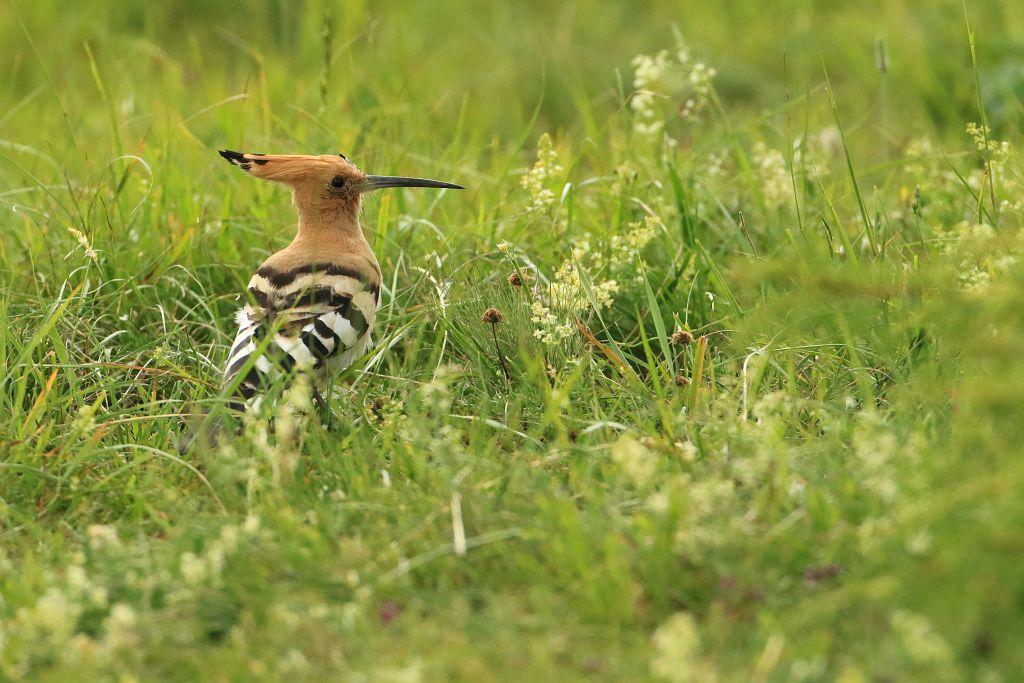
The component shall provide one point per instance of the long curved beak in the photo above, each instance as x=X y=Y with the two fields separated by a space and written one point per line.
x=379 y=182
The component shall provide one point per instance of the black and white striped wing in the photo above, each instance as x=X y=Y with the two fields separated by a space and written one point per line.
x=320 y=322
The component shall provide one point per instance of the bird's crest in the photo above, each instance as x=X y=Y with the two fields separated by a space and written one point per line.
x=244 y=161
x=287 y=168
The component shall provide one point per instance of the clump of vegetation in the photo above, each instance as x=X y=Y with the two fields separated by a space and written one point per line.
x=713 y=373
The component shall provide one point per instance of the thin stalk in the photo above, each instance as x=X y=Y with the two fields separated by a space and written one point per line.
x=497 y=348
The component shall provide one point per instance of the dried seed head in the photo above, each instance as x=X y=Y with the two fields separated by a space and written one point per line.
x=823 y=572
x=492 y=316
x=518 y=280
x=377 y=407
x=682 y=337
x=388 y=611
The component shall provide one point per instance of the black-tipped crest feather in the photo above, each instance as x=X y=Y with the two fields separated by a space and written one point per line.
x=243 y=161
x=235 y=158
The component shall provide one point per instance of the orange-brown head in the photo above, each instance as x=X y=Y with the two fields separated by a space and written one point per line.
x=324 y=183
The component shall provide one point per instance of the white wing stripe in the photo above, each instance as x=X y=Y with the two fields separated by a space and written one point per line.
x=328 y=342
x=242 y=352
x=296 y=349
x=342 y=327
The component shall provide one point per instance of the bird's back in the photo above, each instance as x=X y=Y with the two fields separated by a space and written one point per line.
x=304 y=313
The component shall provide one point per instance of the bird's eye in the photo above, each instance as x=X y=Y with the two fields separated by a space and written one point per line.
x=337 y=181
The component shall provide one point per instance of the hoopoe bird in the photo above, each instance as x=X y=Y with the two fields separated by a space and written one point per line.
x=311 y=306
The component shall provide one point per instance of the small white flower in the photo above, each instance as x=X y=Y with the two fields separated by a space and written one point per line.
x=193 y=569
x=919 y=639
x=688 y=450
x=251 y=524
x=999 y=150
x=676 y=644
x=635 y=460
x=102 y=536
x=538 y=179
x=120 y=626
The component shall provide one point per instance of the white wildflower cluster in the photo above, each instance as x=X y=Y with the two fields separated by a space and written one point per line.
x=1008 y=186
x=76 y=619
x=539 y=179
x=924 y=164
x=432 y=433
x=982 y=256
x=635 y=460
x=879 y=453
x=920 y=154
x=648 y=73
x=706 y=496
x=828 y=142
x=675 y=654
x=554 y=311
x=977 y=275
x=772 y=171
x=808 y=669
x=50 y=624
x=51 y=620
x=565 y=300
x=919 y=640
x=876 y=449
x=1015 y=202
x=873 y=532
x=972 y=277
x=279 y=445
x=289 y=425
x=437 y=392
x=665 y=77
x=688 y=451
x=567 y=292
x=410 y=673
x=968 y=235
x=626 y=174
x=714 y=165
x=551 y=329
x=708 y=501
x=205 y=568
x=85 y=422
x=102 y=536
x=774 y=406
x=120 y=626
x=919 y=542
x=625 y=249
x=699 y=78
x=772 y=175
x=998 y=150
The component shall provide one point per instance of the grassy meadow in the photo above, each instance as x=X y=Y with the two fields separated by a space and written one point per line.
x=759 y=274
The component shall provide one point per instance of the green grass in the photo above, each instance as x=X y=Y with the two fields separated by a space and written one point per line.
x=823 y=485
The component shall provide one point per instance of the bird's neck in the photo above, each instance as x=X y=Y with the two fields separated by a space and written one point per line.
x=327 y=235
x=333 y=224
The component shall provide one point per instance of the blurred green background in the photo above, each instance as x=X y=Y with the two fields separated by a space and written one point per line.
x=823 y=486
x=491 y=64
